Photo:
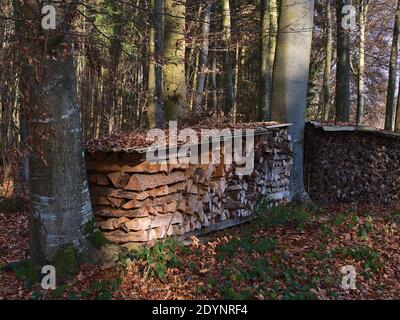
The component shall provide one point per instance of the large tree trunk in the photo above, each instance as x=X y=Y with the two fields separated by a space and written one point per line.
x=391 y=92
x=228 y=75
x=174 y=56
x=61 y=206
x=264 y=111
x=289 y=89
x=203 y=58
x=328 y=63
x=155 y=109
x=343 y=67
x=361 y=63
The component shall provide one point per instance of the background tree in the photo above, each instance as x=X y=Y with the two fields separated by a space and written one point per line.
x=203 y=57
x=264 y=110
x=113 y=9
x=397 y=126
x=364 y=4
x=95 y=26
x=391 y=90
x=155 y=108
x=174 y=56
x=226 y=39
x=289 y=88
x=328 y=63
x=273 y=11
x=343 y=66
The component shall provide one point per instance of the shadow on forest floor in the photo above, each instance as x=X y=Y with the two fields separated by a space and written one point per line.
x=289 y=253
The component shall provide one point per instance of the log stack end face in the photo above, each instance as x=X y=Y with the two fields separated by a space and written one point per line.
x=138 y=202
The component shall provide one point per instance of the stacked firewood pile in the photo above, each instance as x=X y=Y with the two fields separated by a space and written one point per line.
x=352 y=165
x=138 y=202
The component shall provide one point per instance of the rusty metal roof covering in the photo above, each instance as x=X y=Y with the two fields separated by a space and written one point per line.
x=352 y=128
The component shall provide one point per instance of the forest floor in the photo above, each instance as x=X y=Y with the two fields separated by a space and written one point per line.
x=291 y=253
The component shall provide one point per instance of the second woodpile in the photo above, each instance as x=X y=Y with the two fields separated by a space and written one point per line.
x=136 y=202
x=352 y=165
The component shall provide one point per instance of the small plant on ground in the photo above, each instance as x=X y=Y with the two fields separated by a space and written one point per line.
x=268 y=217
x=159 y=258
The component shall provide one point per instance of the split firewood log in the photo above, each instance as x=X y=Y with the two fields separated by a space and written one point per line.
x=122 y=237
x=119 y=179
x=141 y=182
x=116 y=213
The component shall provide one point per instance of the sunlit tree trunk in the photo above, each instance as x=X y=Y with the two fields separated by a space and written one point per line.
x=394 y=55
x=228 y=74
x=361 y=63
x=155 y=110
x=174 y=56
x=290 y=80
x=343 y=67
x=273 y=12
x=59 y=190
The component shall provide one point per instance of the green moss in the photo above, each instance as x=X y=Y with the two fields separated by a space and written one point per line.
x=24 y=270
x=66 y=261
x=94 y=235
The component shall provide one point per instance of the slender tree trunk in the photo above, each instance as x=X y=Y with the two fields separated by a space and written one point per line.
x=361 y=63
x=214 y=82
x=114 y=52
x=289 y=89
x=59 y=190
x=23 y=125
x=273 y=12
x=264 y=111
x=397 y=125
x=228 y=75
x=343 y=67
x=236 y=83
x=328 y=63
x=391 y=92
x=174 y=56
x=194 y=81
x=155 y=110
x=203 y=58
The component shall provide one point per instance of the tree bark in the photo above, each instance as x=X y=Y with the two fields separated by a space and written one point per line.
x=228 y=75
x=273 y=11
x=61 y=206
x=328 y=63
x=397 y=125
x=264 y=111
x=203 y=58
x=290 y=80
x=114 y=52
x=361 y=63
x=343 y=67
x=174 y=57
x=155 y=110
x=394 y=55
